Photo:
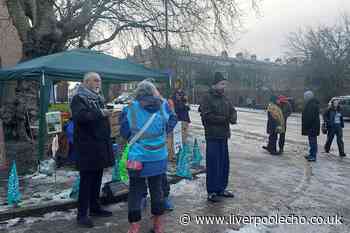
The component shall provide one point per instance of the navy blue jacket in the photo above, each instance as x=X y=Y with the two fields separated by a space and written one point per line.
x=328 y=118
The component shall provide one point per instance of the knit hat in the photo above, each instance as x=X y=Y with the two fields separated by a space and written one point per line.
x=273 y=99
x=282 y=99
x=218 y=77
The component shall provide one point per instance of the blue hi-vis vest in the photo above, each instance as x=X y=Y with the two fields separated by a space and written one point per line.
x=151 y=146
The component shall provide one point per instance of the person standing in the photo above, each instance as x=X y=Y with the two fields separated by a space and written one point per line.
x=311 y=123
x=275 y=125
x=149 y=120
x=182 y=112
x=93 y=145
x=286 y=108
x=334 y=121
x=217 y=114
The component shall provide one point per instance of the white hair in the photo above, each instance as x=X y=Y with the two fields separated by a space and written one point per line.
x=145 y=88
x=89 y=75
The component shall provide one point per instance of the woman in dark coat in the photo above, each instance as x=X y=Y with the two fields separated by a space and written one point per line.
x=334 y=121
x=217 y=114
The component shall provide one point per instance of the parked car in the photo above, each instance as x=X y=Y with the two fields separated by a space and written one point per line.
x=124 y=98
x=344 y=103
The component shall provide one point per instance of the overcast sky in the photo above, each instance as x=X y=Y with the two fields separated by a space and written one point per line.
x=266 y=35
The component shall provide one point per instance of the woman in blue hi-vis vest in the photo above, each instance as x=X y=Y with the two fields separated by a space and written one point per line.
x=148 y=155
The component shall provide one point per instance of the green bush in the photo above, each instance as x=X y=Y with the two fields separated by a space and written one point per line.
x=59 y=107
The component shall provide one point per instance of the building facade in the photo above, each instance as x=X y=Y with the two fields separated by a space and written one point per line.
x=251 y=80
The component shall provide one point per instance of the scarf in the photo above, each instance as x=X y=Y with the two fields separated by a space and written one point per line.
x=91 y=98
x=277 y=114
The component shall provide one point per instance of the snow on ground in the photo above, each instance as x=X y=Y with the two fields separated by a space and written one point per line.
x=249 y=229
x=189 y=187
x=53 y=216
x=41 y=188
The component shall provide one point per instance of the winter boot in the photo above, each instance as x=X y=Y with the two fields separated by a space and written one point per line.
x=341 y=150
x=134 y=227
x=157 y=224
x=326 y=149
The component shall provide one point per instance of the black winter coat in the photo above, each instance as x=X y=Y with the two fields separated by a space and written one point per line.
x=181 y=110
x=311 y=118
x=91 y=136
x=217 y=113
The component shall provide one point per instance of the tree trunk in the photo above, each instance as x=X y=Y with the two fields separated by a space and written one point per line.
x=40 y=35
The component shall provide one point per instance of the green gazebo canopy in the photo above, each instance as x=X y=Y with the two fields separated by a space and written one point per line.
x=71 y=65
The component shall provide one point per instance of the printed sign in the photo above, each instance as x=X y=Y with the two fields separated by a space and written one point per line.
x=53 y=122
x=177 y=137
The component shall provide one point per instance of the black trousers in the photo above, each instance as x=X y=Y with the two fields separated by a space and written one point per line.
x=136 y=192
x=281 y=140
x=89 y=192
x=335 y=131
x=272 y=142
x=282 y=137
x=165 y=187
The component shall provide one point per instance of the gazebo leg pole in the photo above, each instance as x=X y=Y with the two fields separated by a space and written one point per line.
x=43 y=110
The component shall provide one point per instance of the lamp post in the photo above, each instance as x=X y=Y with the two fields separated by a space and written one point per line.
x=167 y=62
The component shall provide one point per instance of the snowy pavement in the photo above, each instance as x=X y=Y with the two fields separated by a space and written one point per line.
x=264 y=186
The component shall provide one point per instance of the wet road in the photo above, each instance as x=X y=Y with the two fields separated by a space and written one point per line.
x=264 y=185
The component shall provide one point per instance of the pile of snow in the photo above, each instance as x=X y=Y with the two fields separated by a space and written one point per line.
x=190 y=187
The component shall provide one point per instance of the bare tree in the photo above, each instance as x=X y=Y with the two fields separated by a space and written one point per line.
x=325 y=55
x=49 y=26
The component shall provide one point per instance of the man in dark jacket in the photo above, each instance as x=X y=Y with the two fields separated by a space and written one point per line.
x=93 y=144
x=311 y=123
x=217 y=113
x=334 y=121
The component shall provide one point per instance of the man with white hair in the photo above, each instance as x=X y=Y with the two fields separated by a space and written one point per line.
x=93 y=144
x=311 y=123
